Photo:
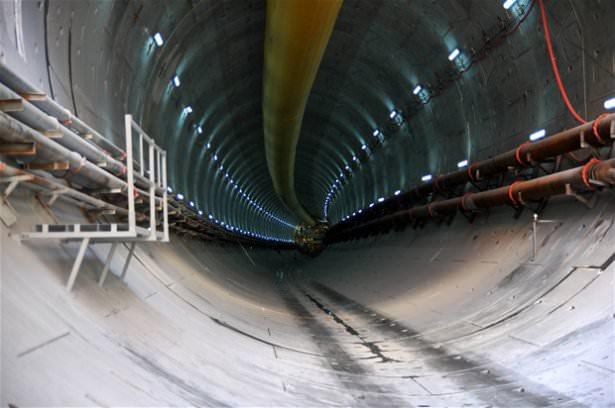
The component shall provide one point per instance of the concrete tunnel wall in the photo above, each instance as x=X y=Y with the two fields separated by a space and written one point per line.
x=446 y=315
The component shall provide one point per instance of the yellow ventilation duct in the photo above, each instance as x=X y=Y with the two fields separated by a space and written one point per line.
x=296 y=37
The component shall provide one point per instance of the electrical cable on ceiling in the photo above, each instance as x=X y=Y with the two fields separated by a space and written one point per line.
x=558 y=79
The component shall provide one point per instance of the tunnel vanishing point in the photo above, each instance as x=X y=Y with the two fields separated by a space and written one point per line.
x=307 y=203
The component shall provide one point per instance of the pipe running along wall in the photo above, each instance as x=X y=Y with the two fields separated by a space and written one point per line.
x=597 y=134
x=296 y=36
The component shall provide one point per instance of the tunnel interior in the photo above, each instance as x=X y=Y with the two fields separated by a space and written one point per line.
x=506 y=306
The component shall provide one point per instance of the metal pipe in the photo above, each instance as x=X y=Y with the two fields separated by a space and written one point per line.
x=597 y=133
x=54 y=109
x=582 y=178
x=13 y=130
x=41 y=183
x=35 y=118
x=297 y=33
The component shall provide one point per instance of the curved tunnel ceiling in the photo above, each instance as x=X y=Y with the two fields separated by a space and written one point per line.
x=378 y=53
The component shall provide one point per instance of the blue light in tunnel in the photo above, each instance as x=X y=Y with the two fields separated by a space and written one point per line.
x=508 y=4
x=462 y=164
x=609 y=104
x=426 y=177
x=199 y=130
x=176 y=81
x=454 y=54
x=417 y=89
x=179 y=196
x=393 y=114
x=376 y=133
x=191 y=203
x=200 y=212
x=169 y=189
x=381 y=199
x=188 y=110
x=364 y=147
x=158 y=39
x=539 y=134
x=397 y=192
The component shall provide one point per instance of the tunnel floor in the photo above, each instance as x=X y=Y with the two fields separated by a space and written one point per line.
x=457 y=317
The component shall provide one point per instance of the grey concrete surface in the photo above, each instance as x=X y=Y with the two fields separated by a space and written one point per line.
x=444 y=316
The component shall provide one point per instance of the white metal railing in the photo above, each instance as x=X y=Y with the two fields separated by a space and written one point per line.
x=152 y=166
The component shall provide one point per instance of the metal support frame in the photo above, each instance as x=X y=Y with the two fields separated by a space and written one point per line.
x=103 y=274
x=13 y=182
x=535 y=222
x=153 y=166
x=77 y=264
x=131 y=252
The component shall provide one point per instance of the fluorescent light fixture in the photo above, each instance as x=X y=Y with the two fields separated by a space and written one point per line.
x=397 y=192
x=158 y=39
x=393 y=114
x=347 y=167
x=176 y=81
x=539 y=134
x=454 y=54
x=381 y=199
x=417 y=89
x=354 y=158
x=191 y=203
x=609 y=103
x=364 y=147
x=371 y=205
x=179 y=196
x=169 y=189
x=462 y=164
x=211 y=217
x=376 y=133
x=188 y=110
x=200 y=212
x=508 y=4
x=215 y=157
x=426 y=177
x=199 y=130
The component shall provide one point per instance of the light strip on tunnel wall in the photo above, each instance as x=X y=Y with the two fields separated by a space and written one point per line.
x=454 y=54
x=539 y=134
x=508 y=4
x=176 y=81
x=417 y=89
x=609 y=103
x=426 y=177
x=158 y=39
x=462 y=164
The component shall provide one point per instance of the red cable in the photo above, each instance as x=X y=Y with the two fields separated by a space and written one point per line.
x=558 y=79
